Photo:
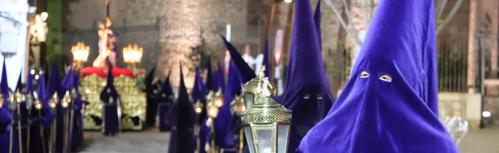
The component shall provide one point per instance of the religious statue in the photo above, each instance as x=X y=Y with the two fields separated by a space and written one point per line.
x=38 y=29
x=107 y=44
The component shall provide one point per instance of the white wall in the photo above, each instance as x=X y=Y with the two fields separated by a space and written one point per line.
x=13 y=37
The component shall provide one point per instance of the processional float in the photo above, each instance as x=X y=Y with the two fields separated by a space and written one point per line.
x=132 y=107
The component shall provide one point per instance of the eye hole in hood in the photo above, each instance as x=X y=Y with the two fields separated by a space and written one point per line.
x=385 y=78
x=364 y=74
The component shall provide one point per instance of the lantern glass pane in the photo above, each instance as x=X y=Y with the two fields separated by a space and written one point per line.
x=264 y=139
x=282 y=138
x=249 y=138
x=248 y=99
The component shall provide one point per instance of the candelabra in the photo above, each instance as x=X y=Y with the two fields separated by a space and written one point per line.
x=80 y=53
x=132 y=55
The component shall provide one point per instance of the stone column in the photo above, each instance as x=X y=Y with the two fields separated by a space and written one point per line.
x=472 y=49
x=180 y=30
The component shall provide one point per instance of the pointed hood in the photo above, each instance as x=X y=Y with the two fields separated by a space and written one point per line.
x=5 y=120
x=109 y=90
x=54 y=85
x=44 y=97
x=166 y=90
x=245 y=71
x=224 y=121
x=389 y=102
x=4 y=84
x=317 y=19
x=210 y=83
x=76 y=80
x=306 y=58
x=68 y=81
x=110 y=78
x=307 y=92
x=149 y=79
x=29 y=83
x=185 y=126
x=42 y=90
x=220 y=77
x=76 y=84
x=198 y=91
x=266 y=61
x=19 y=86
x=183 y=96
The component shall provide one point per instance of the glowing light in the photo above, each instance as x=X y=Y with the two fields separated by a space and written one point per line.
x=288 y=1
x=132 y=53
x=228 y=32
x=198 y=107
x=64 y=104
x=198 y=110
x=486 y=114
x=38 y=105
x=44 y=16
x=80 y=52
x=52 y=104
x=212 y=112
x=219 y=102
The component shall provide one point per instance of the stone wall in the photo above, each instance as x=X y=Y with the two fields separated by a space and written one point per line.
x=167 y=29
x=185 y=23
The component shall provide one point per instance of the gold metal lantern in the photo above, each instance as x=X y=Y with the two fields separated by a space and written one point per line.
x=66 y=100
x=218 y=98
x=212 y=110
x=252 y=90
x=266 y=124
x=53 y=101
x=238 y=105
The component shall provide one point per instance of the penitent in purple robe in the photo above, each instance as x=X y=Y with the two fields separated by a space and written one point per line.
x=389 y=103
x=4 y=129
x=307 y=92
x=224 y=123
x=77 y=131
x=151 y=99
x=110 y=98
x=5 y=115
x=54 y=87
x=198 y=94
x=41 y=120
x=182 y=113
x=165 y=101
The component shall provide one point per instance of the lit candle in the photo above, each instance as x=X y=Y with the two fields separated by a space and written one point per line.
x=228 y=32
